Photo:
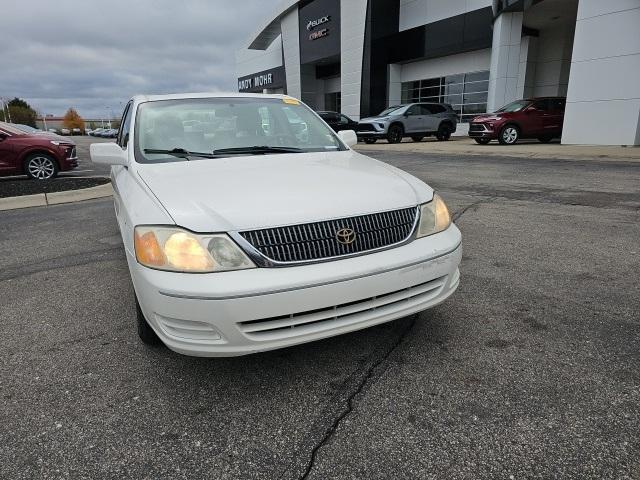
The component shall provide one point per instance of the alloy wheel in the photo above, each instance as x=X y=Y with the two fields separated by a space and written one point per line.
x=510 y=135
x=395 y=134
x=41 y=168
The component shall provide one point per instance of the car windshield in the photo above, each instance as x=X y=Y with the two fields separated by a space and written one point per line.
x=195 y=128
x=514 y=106
x=390 y=110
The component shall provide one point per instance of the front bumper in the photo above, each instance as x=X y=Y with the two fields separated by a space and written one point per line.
x=69 y=160
x=242 y=312
x=372 y=130
x=482 y=130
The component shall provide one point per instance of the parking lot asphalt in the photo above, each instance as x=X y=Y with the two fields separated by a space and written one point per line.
x=531 y=370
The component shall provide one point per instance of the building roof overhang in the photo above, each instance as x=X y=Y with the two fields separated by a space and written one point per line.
x=270 y=29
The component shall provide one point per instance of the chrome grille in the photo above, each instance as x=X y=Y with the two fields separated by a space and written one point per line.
x=476 y=127
x=366 y=127
x=316 y=241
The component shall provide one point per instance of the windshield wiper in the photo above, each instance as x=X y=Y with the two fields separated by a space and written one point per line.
x=179 y=152
x=257 y=150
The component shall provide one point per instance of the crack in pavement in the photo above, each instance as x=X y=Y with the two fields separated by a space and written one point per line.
x=462 y=211
x=329 y=433
x=368 y=374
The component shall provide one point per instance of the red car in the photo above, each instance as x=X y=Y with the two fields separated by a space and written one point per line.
x=39 y=156
x=539 y=118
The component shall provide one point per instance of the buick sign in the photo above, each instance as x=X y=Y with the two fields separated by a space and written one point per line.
x=319 y=21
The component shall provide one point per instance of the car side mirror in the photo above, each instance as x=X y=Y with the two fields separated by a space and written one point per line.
x=348 y=137
x=532 y=109
x=3 y=136
x=108 y=153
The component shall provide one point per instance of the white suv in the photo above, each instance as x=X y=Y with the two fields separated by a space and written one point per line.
x=243 y=235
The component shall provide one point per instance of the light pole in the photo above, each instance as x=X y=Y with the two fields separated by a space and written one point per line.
x=108 y=116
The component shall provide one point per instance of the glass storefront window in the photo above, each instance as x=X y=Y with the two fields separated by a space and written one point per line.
x=465 y=92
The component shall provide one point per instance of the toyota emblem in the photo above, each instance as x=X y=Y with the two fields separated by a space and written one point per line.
x=346 y=236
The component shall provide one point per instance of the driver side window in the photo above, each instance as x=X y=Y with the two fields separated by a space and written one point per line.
x=414 y=110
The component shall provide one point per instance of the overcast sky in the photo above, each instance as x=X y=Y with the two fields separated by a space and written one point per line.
x=94 y=54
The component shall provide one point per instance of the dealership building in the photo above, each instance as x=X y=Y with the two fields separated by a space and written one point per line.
x=360 y=56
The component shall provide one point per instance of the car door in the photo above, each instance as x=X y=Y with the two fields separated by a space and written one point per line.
x=414 y=119
x=7 y=153
x=120 y=177
x=432 y=116
x=556 y=116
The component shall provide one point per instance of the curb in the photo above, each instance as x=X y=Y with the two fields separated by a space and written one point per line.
x=56 y=198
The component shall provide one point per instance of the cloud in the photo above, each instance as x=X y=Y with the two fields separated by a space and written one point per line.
x=94 y=55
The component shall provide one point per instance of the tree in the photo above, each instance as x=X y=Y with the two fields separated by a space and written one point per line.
x=21 y=112
x=72 y=119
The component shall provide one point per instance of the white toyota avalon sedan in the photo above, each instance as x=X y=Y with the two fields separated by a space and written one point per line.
x=250 y=225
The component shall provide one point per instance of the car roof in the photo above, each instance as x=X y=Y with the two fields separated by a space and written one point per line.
x=184 y=96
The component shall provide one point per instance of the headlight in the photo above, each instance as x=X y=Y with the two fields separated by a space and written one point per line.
x=178 y=250
x=58 y=143
x=494 y=117
x=434 y=217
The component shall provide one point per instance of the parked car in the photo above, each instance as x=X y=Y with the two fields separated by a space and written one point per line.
x=415 y=120
x=65 y=131
x=539 y=118
x=38 y=156
x=328 y=241
x=338 y=121
x=76 y=131
x=97 y=132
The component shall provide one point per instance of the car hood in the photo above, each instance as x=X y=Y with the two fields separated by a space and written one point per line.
x=488 y=116
x=374 y=119
x=250 y=192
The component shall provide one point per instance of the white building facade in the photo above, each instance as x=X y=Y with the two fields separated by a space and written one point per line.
x=360 y=56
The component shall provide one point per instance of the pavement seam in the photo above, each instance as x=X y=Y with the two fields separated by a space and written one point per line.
x=368 y=374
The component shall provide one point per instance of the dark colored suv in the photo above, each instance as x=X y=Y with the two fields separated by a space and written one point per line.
x=539 y=118
x=338 y=121
x=39 y=156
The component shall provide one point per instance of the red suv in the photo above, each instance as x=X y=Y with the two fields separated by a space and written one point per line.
x=39 y=156
x=539 y=118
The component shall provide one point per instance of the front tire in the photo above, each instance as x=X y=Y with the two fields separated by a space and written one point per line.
x=40 y=166
x=482 y=141
x=395 y=134
x=509 y=135
x=370 y=141
x=145 y=332
x=444 y=132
